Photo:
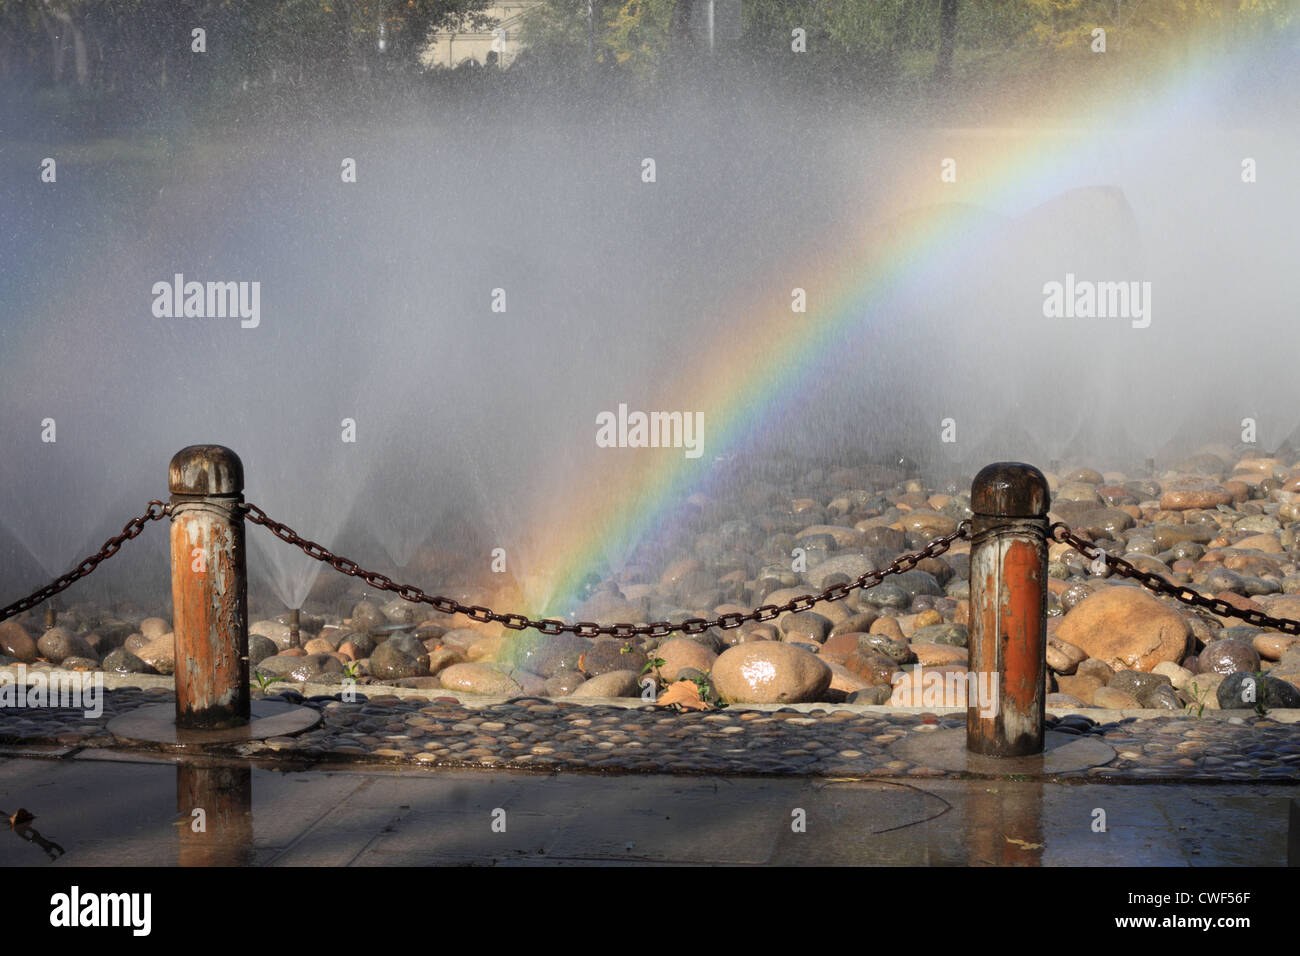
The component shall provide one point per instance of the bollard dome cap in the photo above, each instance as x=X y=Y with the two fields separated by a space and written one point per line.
x=206 y=470
x=1010 y=489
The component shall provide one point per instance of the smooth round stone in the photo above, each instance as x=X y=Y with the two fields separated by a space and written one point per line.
x=881 y=536
x=678 y=653
x=1082 y=475
x=1194 y=494
x=610 y=654
x=17 y=643
x=613 y=684
x=877 y=695
x=260 y=648
x=929 y=524
x=888 y=595
x=897 y=651
x=1247 y=690
x=1110 y=698
x=1078 y=492
x=405 y=642
x=58 y=643
x=307 y=667
x=806 y=626
x=954 y=634
x=1074 y=595
x=274 y=630
x=1141 y=544
x=365 y=615
x=122 y=661
x=1102 y=523
x=565 y=683
x=872 y=667
x=854 y=624
x=769 y=672
x=1221 y=579
x=1229 y=656
x=1271 y=646
x=479 y=679
x=546 y=654
x=1138 y=683
x=1127 y=628
x=154 y=627
x=391 y=662
x=916 y=582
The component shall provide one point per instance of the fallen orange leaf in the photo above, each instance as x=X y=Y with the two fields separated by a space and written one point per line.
x=684 y=693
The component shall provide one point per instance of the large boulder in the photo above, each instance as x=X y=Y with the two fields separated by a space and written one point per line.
x=769 y=672
x=1127 y=628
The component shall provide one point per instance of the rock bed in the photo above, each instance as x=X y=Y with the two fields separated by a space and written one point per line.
x=1226 y=525
x=539 y=734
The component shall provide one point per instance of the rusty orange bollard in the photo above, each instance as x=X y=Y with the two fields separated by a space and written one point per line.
x=1008 y=593
x=209 y=588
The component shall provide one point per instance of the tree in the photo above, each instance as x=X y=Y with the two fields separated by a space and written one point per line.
x=947 y=40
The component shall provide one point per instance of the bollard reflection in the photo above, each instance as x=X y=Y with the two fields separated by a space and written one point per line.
x=1004 y=824
x=215 y=806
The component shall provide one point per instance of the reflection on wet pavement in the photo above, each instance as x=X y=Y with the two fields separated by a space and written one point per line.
x=116 y=810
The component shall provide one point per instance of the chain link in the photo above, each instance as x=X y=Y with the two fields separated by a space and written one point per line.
x=155 y=510
x=1149 y=579
x=1058 y=531
x=519 y=622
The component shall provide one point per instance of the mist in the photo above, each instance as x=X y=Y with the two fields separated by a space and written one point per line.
x=471 y=424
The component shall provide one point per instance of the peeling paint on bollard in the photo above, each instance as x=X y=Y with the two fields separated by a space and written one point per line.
x=209 y=588
x=1009 y=608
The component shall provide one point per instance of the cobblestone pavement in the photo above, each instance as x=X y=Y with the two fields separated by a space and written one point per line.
x=532 y=733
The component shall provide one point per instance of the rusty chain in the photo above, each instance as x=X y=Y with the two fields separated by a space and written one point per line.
x=1058 y=531
x=520 y=622
x=155 y=510
x=1149 y=579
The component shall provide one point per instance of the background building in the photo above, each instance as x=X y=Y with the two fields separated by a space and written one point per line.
x=452 y=49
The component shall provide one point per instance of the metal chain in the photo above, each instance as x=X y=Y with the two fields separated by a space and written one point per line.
x=519 y=622
x=156 y=510
x=1149 y=579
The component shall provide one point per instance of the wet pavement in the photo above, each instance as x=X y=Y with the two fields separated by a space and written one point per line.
x=104 y=808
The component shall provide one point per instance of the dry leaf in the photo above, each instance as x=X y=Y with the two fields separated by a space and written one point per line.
x=1023 y=844
x=685 y=693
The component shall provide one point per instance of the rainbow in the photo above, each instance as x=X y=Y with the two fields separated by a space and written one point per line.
x=743 y=381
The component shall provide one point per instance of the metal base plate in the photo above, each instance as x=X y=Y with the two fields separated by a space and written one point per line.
x=946 y=750
x=157 y=724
